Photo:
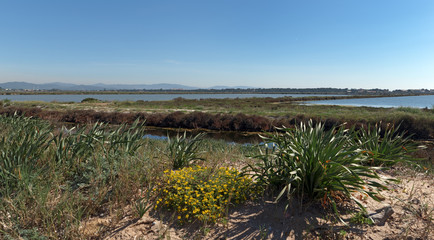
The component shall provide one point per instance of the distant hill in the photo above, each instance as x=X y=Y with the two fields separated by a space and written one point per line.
x=143 y=86
x=227 y=87
x=92 y=87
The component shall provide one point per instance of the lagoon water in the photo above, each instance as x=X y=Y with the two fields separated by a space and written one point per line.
x=231 y=137
x=135 y=97
x=425 y=101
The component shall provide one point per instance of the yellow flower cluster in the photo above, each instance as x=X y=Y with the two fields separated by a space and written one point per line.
x=203 y=193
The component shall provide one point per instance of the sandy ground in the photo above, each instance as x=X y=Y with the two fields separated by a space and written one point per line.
x=411 y=200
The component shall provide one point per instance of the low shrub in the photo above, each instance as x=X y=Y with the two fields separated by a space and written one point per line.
x=316 y=164
x=361 y=218
x=384 y=146
x=5 y=102
x=90 y=100
x=201 y=193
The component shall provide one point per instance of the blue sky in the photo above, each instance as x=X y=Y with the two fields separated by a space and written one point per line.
x=296 y=44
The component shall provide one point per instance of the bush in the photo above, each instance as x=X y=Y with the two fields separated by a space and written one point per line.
x=203 y=193
x=5 y=102
x=384 y=146
x=90 y=100
x=316 y=165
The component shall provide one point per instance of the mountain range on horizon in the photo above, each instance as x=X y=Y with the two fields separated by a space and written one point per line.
x=101 y=86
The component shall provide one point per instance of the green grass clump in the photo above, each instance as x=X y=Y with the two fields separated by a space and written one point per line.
x=20 y=151
x=183 y=151
x=53 y=178
x=317 y=165
x=203 y=193
x=384 y=147
x=361 y=218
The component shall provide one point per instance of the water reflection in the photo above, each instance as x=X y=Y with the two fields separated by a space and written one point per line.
x=229 y=137
x=425 y=101
x=155 y=137
x=156 y=133
x=143 y=97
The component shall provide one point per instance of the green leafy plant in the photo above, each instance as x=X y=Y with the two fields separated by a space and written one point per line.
x=315 y=164
x=343 y=233
x=361 y=218
x=70 y=147
x=183 y=151
x=386 y=146
x=126 y=139
x=21 y=150
x=142 y=205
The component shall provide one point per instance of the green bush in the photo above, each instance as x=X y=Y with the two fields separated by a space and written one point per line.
x=386 y=146
x=90 y=100
x=5 y=102
x=361 y=218
x=315 y=164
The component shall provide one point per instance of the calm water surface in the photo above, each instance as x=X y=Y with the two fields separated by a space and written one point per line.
x=426 y=101
x=227 y=136
x=144 y=97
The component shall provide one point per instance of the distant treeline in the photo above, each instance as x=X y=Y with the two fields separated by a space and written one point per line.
x=334 y=91
x=420 y=128
x=325 y=91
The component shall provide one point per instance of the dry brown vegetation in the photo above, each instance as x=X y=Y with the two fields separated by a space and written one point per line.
x=418 y=127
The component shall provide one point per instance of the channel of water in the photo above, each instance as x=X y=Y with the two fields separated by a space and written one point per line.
x=227 y=136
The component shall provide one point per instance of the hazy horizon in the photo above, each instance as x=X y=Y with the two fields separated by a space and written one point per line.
x=280 y=44
x=191 y=87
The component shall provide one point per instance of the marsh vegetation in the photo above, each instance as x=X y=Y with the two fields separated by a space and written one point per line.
x=55 y=179
x=250 y=114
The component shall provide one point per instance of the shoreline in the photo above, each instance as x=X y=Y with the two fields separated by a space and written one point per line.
x=419 y=128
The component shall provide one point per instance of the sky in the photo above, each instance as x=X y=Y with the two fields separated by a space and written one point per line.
x=202 y=43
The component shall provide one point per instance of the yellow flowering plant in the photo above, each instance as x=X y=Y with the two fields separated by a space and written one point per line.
x=203 y=193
